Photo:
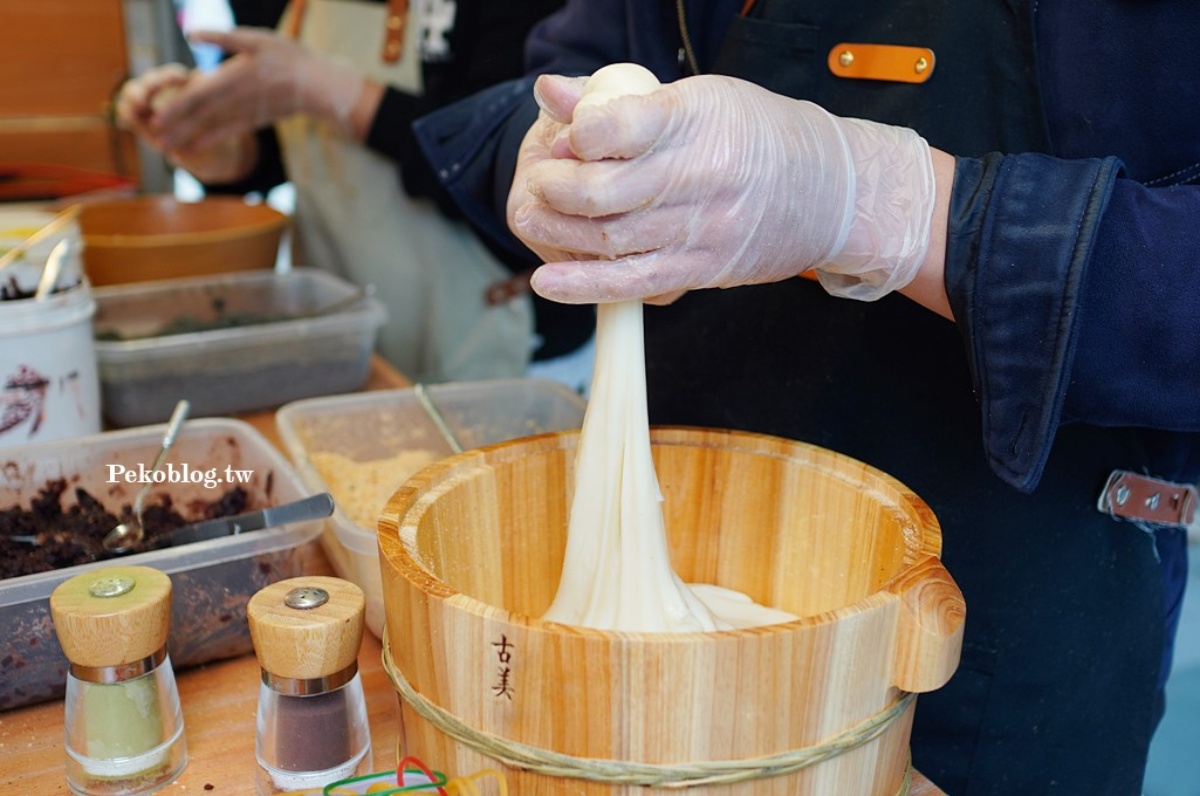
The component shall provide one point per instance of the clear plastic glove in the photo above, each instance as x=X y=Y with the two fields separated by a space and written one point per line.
x=269 y=77
x=137 y=109
x=715 y=182
x=141 y=96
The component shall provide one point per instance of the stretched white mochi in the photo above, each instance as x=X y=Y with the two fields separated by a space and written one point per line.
x=617 y=572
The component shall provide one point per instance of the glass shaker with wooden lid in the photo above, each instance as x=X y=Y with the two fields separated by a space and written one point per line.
x=124 y=726
x=312 y=716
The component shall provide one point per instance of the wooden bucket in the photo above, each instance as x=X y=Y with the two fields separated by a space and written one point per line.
x=471 y=551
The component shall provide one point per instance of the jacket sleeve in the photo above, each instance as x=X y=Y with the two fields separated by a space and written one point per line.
x=472 y=146
x=391 y=135
x=1022 y=229
x=1075 y=293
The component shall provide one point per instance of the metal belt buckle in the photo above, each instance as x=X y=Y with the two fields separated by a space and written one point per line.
x=1130 y=496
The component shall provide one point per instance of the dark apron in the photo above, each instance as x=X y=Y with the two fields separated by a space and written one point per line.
x=1056 y=691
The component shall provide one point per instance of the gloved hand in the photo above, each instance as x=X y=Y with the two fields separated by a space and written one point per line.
x=137 y=109
x=715 y=182
x=269 y=77
x=141 y=96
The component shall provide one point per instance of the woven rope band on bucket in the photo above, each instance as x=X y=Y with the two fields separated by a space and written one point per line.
x=682 y=775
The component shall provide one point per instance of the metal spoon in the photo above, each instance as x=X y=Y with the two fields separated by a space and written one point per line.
x=59 y=221
x=51 y=270
x=437 y=417
x=56 y=537
x=128 y=534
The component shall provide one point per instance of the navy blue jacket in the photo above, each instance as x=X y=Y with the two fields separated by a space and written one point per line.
x=1073 y=277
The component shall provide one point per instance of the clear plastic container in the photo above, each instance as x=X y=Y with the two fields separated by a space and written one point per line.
x=212 y=580
x=362 y=447
x=237 y=368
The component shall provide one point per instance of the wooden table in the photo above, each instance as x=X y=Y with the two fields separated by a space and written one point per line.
x=219 y=702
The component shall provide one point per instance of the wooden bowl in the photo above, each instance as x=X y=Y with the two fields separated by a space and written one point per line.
x=471 y=550
x=145 y=238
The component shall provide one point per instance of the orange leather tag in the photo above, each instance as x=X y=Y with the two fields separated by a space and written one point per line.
x=296 y=9
x=394 y=27
x=393 y=41
x=892 y=62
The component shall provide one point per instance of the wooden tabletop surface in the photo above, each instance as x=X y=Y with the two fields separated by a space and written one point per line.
x=219 y=701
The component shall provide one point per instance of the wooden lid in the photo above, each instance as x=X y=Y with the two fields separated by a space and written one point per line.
x=307 y=627
x=112 y=616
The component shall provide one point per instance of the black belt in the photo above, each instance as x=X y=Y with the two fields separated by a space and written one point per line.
x=1130 y=496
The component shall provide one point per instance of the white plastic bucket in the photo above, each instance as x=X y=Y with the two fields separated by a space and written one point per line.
x=49 y=387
